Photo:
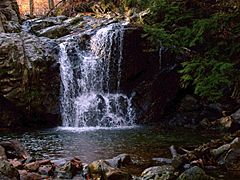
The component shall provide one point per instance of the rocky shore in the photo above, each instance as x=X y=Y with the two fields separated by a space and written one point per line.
x=202 y=162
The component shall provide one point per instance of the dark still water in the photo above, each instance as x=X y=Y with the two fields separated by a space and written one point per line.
x=142 y=143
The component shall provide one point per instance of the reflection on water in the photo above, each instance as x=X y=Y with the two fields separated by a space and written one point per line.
x=142 y=143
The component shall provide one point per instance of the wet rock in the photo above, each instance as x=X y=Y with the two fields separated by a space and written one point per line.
x=63 y=174
x=194 y=173
x=76 y=165
x=236 y=116
x=8 y=171
x=32 y=166
x=47 y=170
x=118 y=174
x=54 y=32
x=70 y=169
x=220 y=150
x=158 y=172
x=31 y=176
x=102 y=169
x=59 y=162
x=98 y=169
x=120 y=160
x=232 y=160
x=44 y=162
x=17 y=164
x=3 y=155
x=29 y=79
x=37 y=24
x=230 y=155
x=23 y=174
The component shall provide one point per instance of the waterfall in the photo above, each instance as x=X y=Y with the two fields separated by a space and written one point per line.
x=91 y=78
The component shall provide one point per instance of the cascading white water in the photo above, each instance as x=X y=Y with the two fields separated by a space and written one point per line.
x=91 y=78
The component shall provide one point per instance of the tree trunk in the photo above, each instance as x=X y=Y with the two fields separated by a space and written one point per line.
x=51 y=4
x=31 y=6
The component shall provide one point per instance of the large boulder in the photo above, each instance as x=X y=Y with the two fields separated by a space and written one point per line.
x=70 y=169
x=101 y=169
x=229 y=155
x=194 y=173
x=164 y=172
x=236 y=116
x=9 y=16
x=29 y=79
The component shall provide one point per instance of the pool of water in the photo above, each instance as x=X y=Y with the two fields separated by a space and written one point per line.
x=142 y=143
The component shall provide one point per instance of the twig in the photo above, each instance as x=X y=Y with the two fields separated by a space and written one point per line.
x=48 y=13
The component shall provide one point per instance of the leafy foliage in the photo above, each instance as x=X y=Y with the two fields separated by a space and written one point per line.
x=208 y=31
x=208 y=75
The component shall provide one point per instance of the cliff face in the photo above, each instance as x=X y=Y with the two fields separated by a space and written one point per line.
x=29 y=77
x=9 y=16
x=153 y=84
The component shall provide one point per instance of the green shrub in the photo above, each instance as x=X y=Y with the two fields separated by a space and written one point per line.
x=210 y=39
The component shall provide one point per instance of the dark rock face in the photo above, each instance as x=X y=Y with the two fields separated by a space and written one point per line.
x=29 y=79
x=9 y=16
x=153 y=86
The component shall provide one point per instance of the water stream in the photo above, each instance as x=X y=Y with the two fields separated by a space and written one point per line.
x=91 y=78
